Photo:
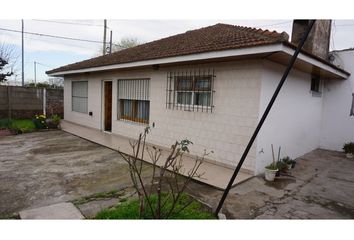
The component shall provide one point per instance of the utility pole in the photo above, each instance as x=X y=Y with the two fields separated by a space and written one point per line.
x=35 y=73
x=104 y=37
x=110 y=43
x=23 y=56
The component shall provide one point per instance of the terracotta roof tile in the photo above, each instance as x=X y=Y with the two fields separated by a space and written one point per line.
x=213 y=38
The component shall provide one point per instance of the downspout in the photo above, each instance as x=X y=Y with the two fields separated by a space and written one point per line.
x=264 y=116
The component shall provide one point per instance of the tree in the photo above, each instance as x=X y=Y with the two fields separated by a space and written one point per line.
x=165 y=181
x=7 y=61
x=124 y=43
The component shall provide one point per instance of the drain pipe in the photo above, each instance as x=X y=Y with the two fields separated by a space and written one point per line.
x=264 y=116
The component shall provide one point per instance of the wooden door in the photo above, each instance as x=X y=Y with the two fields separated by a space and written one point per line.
x=108 y=106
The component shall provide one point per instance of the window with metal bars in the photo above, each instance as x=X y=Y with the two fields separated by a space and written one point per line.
x=190 y=90
x=134 y=100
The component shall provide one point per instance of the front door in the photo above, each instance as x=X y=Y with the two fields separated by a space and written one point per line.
x=108 y=106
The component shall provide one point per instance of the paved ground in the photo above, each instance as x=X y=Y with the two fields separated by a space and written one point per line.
x=323 y=188
x=43 y=168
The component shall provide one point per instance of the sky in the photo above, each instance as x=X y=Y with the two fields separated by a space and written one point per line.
x=53 y=52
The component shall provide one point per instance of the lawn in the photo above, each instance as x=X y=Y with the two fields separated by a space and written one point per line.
x=18 y=125
x=130 y=210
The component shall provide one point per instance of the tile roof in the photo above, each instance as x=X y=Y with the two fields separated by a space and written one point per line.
x=213 y=38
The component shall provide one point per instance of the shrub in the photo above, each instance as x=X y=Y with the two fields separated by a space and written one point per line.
x=5 y=123
x=40 y=121
x=348 y=147
x=22 y=126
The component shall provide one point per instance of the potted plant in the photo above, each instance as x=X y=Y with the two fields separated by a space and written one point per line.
x=349 y=149
x=270 y=171
x=293 y=163
x=288 y=162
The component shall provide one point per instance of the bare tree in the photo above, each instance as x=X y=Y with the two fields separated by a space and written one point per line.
x=124 y=43
x=7 y=61
x=166 y=181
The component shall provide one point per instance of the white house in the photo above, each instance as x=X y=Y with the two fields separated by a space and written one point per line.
x=211 y=85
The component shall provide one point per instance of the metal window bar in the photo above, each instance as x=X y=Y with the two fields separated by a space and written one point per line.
x=190 y=90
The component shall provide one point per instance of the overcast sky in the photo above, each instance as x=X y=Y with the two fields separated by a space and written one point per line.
x=54 y=52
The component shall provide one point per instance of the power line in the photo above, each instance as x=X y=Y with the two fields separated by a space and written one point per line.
x=275 y=24
x=70 y=23
x=53 y=36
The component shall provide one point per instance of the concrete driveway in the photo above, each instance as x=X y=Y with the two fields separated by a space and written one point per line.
x=320 y=187
x=42 y=168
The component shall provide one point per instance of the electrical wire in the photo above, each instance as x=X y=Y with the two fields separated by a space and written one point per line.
x=55 y=36
x=275 y=24
x=70 y=23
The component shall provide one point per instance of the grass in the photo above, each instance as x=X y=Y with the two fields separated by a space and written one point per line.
x=130 y=210
x=18 y=125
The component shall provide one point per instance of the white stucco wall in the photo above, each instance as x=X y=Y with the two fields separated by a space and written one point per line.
x=94 y=102
x=226 y=130
x=337 y=125
x=294 y=123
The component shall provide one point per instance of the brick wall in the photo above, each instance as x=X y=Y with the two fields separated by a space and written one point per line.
x=25 y=102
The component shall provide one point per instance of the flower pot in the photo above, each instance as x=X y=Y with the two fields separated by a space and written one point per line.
x=289 y=166
x=270 y=174
x=293 y=164
x=349 y=155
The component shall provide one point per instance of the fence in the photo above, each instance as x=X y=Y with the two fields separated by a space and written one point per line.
x=25 y=102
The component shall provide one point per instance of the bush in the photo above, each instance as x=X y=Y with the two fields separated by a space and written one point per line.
x=130 y=209
x=348 y=147
x=40 y=121
x=5 y=123
x=22 y=126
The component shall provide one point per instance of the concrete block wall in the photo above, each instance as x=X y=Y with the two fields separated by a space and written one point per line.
x=25 y=102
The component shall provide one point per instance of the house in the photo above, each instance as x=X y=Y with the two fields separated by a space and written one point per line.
x=210 y=85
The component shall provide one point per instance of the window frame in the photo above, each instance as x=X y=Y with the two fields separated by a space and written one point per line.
x=120 y=104
x=194 y=91
x=316 y=86
x=135 y=107
x=80 y=97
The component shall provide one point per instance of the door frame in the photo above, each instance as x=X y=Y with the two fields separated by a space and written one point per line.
x=103 y=102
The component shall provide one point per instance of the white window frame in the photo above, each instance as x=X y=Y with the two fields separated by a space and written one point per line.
x=72 y=97
x=192 y=104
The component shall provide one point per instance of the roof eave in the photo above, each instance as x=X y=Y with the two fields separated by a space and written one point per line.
x=178 y=59
x=283 y=47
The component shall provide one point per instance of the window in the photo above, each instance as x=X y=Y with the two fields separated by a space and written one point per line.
x=79 y=96
x=316 y=85
x=191 y=91
x=134 y=103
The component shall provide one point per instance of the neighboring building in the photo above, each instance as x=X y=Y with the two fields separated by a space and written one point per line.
x=211 y=86
x=338 y=105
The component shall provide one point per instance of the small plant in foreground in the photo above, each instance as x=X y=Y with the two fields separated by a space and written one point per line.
x=167 y=169
x=349 y=147
x=40 y=121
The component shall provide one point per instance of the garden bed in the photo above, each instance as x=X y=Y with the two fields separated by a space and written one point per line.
x=17 y=126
